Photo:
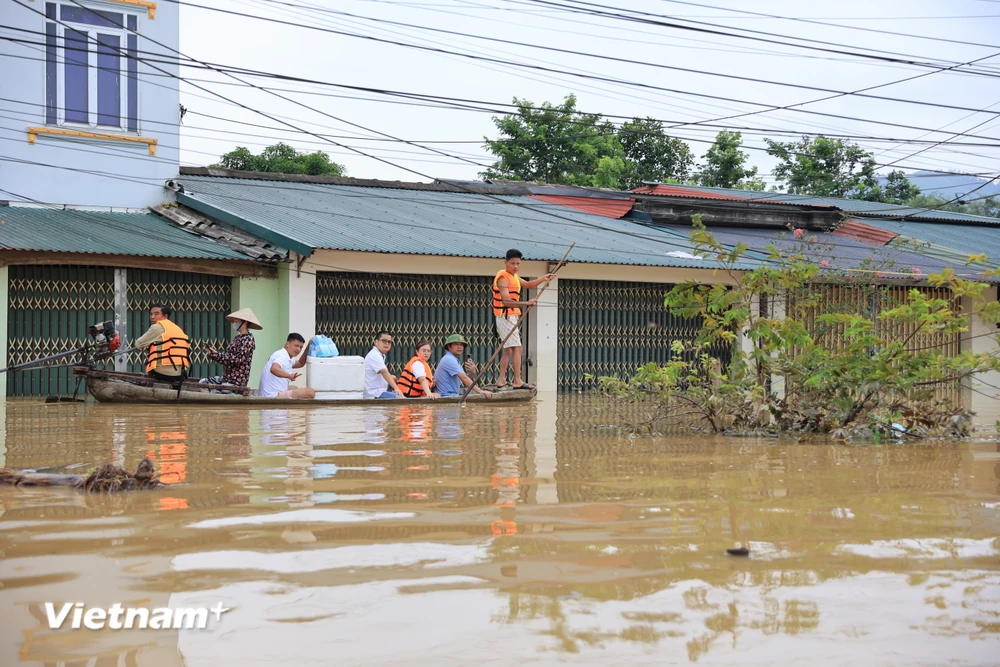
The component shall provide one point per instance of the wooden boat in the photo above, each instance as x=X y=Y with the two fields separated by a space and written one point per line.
x=112 y=387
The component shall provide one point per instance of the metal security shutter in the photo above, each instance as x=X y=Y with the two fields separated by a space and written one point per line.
x=612 y=328
x=200 y=302
x=864 y=300
x=49 y=310
x=352 y=307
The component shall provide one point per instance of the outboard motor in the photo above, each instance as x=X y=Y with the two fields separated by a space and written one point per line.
x=104 y=334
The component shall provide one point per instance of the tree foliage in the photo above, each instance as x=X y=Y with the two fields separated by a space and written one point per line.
x=558 y=144
x=835 y=168
x=281 y=158
x=555 y=144
x=988 y=206
x=726 y=165
x=651 y=155
x=846 y=374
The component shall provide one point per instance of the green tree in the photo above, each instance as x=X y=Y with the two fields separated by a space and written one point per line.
x=988 y=207
x=281 y=158
x=651 y=155
x=836 y=168
x=936 y=202
x=725 y=165
x=898 y=189
x=555 y=144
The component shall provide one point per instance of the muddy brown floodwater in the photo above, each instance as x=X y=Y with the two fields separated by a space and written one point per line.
x=499 y=535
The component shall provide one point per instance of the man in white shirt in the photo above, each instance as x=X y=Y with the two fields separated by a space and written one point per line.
x=278 y=371
x=377 y=377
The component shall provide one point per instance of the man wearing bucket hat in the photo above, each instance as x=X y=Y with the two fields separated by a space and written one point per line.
x=238 y=357
x=449 y=376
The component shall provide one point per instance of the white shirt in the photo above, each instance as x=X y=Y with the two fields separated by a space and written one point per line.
x=375 y=384
x=420 y=370
x=271 y=384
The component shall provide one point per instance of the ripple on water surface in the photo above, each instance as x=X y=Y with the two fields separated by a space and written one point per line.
x=501 y=534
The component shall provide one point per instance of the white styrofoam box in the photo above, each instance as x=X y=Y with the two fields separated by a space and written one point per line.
x=341 y=395
x=339 y=375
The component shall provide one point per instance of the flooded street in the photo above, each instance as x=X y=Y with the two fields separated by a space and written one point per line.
x=498 y=535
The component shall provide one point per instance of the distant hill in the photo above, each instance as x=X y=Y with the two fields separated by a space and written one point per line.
x=949 y=186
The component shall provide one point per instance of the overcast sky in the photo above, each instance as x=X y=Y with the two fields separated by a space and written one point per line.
x=263 y=44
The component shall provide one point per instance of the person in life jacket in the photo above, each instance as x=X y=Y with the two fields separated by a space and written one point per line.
x=507 y=286
x=417 y=377
x=169 y=355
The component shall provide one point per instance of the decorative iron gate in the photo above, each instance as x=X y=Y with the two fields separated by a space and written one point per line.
x=200 y=303
x=612 y=328
x=352 y=307
x=50 y=308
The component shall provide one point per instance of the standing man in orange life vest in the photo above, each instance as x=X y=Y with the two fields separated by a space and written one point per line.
x=169 y=348
x=507 y=308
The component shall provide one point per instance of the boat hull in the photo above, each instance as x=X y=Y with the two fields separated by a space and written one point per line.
x=106 y=387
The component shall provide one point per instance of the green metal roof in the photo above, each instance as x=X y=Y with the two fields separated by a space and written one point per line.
x=70 y=230
x=306 y=216
x=964 y=240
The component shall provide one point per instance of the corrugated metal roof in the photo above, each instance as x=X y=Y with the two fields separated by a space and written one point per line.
x=341 y=217
x=854 y=206
x=965 y=239
x=852 y=229
x=685 y=191
x=842 y=253
x=70 y=230
x=606 y=208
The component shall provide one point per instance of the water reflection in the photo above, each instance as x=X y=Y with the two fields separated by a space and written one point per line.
x=438 y=535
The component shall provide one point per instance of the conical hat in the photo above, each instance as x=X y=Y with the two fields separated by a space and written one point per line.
x=247 y=316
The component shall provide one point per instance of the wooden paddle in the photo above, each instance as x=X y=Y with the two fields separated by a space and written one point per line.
x=524 y=311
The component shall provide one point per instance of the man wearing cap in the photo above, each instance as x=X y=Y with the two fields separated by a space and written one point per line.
x=238 y=357
x=449 y=376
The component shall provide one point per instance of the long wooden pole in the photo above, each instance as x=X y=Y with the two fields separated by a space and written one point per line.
x=524 y=311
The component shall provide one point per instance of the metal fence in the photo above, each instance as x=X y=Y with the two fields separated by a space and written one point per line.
x=869 y=301
x=50 y=308
x=612 y=328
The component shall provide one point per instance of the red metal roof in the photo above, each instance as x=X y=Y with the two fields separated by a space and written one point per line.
x=859 y=231
x=608 y=208
x=678 y=191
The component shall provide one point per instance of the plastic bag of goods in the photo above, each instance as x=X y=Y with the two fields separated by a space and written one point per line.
x=322 y=347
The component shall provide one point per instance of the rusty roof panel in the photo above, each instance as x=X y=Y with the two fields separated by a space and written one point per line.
x=606 y=208
x=852 y=229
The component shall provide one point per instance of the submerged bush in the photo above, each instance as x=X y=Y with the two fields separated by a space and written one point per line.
x=845 y=372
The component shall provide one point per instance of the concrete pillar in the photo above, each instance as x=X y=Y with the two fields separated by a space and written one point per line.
x=980 y=393
x=300 y=296
x=747 y=345
x=543 y=340
x=121 y=316
x=778 y=309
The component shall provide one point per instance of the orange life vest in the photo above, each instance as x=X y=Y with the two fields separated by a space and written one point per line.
x=408 y=382
x=173 y=349
x=513 y=289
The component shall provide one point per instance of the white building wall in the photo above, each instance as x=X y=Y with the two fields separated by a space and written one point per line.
x=87 y=171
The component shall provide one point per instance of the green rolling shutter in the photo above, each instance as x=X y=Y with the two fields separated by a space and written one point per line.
x=352 y=307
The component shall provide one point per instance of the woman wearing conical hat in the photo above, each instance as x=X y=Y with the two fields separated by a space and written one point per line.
x=238 y=357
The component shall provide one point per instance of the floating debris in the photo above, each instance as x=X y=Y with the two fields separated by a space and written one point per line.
x=738 y=551
x=108 y=478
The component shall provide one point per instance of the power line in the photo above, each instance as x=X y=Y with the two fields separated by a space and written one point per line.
x=229 y=70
